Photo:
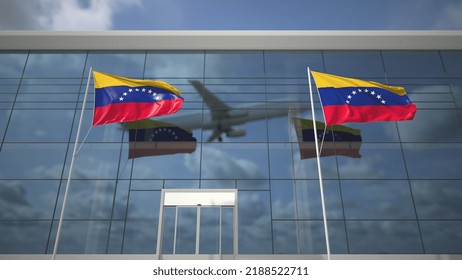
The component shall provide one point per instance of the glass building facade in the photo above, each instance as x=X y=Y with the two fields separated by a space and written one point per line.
x=401 y=196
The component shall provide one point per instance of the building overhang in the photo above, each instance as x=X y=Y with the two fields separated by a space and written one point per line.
x=230 y=40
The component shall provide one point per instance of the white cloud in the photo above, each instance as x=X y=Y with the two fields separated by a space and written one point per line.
x=61 y=15
x=450 y=17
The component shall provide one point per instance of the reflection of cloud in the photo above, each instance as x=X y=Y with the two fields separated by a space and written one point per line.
x=437 y=199
x=382 y=237
x=365 y=167
x=220 y=165
x=13 y=202
x=61 y=15
x=254 y=223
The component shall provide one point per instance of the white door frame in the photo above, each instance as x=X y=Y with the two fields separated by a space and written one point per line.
x=197 y=198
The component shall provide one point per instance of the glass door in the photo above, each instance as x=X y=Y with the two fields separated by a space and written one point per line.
x=200 y=224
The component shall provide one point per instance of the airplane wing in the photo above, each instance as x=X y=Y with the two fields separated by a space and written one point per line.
x=217 y=107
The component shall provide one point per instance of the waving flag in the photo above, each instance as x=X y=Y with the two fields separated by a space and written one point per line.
x=352 y=100
x=339 y=140
x=154 y=138
x=119 y=99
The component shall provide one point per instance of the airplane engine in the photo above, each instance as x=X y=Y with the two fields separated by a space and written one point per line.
x=235 y=132
x=237 y=113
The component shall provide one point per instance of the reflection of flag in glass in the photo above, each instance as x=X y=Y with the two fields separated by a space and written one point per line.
x=153 y=138
x=119 y=99
x=352 y=100
x=339 y=140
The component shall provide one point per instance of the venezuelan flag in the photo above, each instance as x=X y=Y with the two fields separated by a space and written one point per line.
x=120 y=99
x=353 y=100
x=339 y=140
x=154 y=138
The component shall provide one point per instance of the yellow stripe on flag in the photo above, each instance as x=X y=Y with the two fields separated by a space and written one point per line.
x=324 y=80
x=103 y=80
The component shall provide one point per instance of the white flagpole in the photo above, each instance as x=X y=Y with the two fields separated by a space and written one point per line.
x=74 y=154
x=321 y=187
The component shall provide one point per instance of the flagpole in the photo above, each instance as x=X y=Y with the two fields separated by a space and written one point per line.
x=321 y=187
x=74 y=154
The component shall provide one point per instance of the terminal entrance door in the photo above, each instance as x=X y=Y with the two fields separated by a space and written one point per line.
x=197 y=224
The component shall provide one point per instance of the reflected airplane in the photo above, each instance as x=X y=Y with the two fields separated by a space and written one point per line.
x=222 y=119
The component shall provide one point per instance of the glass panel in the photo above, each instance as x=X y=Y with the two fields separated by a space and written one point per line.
x=313 y=241
x=121 y=63
x=378 y=131
x=181 y=184
x=218 y=184
x=452 y=61
x=142 y=222
x=55 y=65
x=4 y=116
x=308 y=168
x=146 y=185
x=32 y=161
x=167 y=64
x=209 y=242
x=384 y=237
x=433 y=161
x=227 y=230
x=81 y=237
x=94 y=161
x=186 y=230
x=87 y=199
x=233 y=161
x=437 y=199
x=278 y=129
x=235 y=64
x=254 y=222
x=456 y=88
x=442 y=237
x=377 y=161
x=285 y=237
x=309 y=199
x=413 y=64
x=282 y=199
x=355 y=64
x=281 y=161
x=280 y=64
x=27 y=199
x=116 y=237
x=121 y=199
x=253 y=184
x=432 y=126
x=47 y=126
x=377 y=199
x=168 y=230
x=236 y=92
x=12 y=64
x=114 y=132
x=25 y=237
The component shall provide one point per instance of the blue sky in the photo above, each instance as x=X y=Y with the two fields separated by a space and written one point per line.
x=230 y=14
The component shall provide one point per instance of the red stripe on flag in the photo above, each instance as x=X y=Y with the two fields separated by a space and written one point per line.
x=133 y=111
x=337 y=114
